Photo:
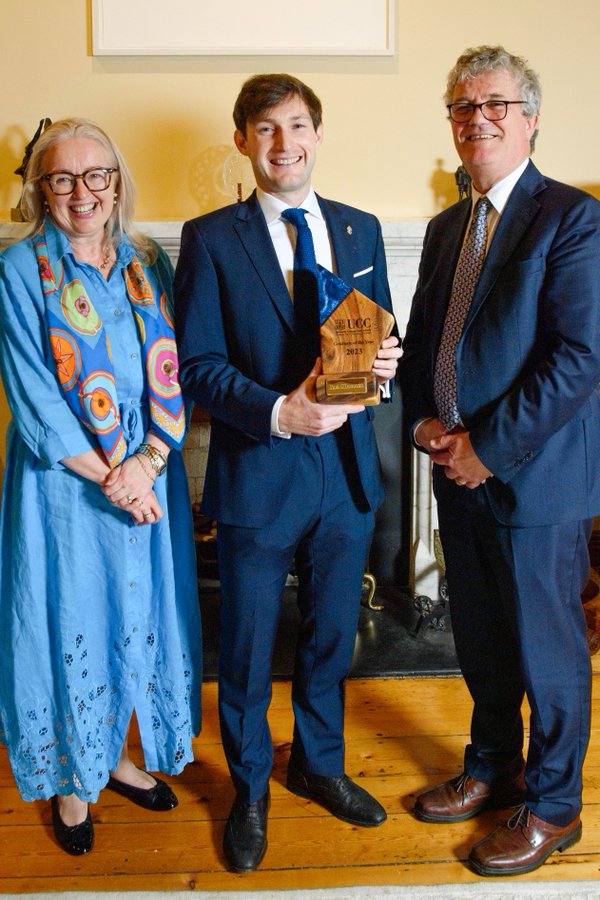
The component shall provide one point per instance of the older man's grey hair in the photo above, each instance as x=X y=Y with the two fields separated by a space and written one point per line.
x=477 y=60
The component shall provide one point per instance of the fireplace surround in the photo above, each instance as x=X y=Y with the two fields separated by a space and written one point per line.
x=405 y=543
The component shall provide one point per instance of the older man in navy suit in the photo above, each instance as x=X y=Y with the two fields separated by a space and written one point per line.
x=287 y=479
x=500 y=372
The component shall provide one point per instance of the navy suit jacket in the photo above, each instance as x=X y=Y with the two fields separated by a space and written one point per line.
x=528 y=361
x=238 y=352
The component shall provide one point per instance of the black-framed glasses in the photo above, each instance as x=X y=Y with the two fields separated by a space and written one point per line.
x=97 y=179
x=492 y=110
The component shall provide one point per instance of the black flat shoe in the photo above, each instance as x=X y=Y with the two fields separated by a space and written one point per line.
x=75 y=839
x=158 y=798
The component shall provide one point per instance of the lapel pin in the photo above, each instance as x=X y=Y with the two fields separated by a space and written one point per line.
x=348 y=229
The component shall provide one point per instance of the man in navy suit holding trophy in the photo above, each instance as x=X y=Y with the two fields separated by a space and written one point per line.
x=287 y=479
x=500 y=375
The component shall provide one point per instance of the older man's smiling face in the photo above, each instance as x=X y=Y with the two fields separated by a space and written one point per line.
x=491 y=150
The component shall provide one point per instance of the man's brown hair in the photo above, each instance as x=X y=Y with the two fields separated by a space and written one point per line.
x=262 y=92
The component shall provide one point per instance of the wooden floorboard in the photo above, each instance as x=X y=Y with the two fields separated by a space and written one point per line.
x=402 y=735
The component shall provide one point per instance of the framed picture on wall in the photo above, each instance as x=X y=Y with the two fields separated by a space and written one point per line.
x=241 y=27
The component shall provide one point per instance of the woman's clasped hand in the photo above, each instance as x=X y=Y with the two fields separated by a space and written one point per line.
x=130 y=486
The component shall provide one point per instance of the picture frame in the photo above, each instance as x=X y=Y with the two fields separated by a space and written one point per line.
x=205 y=28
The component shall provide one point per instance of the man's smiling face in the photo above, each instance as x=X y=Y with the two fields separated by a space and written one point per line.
x=491 y=150
x=282 y=144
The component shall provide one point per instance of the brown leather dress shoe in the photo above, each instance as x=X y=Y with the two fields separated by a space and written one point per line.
x=463 y=797
x=522 y=844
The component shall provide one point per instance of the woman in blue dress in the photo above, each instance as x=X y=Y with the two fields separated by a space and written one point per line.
x=99 y=612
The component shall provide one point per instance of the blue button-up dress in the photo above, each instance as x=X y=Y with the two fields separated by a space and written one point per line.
x=99 y=618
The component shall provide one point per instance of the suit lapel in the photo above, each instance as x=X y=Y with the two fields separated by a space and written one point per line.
x=514 y=221
x=252 y=230
x=340 y=234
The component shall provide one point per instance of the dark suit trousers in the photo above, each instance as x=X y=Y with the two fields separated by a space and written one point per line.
x=327 y=531
x=519 y=627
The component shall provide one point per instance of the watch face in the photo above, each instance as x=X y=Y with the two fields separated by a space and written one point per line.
x=155 y=458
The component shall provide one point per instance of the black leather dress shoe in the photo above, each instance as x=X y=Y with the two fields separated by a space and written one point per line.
x=245 y=839
x=158 y=798
x=340 y=795
x=75 y=839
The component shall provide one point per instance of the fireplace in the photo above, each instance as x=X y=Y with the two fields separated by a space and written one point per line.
x=404 y=547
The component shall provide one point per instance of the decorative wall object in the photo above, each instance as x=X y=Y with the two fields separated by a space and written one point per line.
x=263 y=27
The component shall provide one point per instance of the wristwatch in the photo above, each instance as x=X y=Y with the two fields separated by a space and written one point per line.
x=157 y=460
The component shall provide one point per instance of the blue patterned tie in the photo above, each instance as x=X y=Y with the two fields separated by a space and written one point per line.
x=465 y=281
x=306 y=292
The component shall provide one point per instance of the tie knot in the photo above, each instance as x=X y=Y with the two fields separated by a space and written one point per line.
x=304 y=252
x=295 y=215
x=481 y=208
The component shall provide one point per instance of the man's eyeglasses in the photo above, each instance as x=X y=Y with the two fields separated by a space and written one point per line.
x=492 y=110
x=94 y=179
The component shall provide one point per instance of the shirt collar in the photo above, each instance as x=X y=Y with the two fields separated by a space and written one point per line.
x=59 y=246
x=498 y=194
x=272 y=207
x=56 y=241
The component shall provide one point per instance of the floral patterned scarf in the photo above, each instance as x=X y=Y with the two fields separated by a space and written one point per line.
x=82 y=353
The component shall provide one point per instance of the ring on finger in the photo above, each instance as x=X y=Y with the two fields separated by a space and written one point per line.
x=148 y=515
x=128 y=498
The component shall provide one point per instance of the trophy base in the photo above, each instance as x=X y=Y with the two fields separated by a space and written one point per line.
x=357 y=387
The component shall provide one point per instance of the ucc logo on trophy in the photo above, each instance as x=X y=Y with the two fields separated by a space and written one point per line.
x=352 y=327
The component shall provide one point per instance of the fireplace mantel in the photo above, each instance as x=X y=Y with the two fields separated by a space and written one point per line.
x=403 y=240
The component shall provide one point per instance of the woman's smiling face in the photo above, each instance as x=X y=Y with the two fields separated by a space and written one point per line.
x=83 y=214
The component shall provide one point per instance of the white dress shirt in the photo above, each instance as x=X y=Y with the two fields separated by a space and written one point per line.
x=283 y=234
x=498 y=196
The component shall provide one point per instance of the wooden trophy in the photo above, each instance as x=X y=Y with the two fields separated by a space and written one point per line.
x=352 y=329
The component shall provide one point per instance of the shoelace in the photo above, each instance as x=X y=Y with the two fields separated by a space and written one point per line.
x=519 y=818
x=460 y=783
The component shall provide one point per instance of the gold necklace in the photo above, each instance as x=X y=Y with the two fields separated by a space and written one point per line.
x=106 y=259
